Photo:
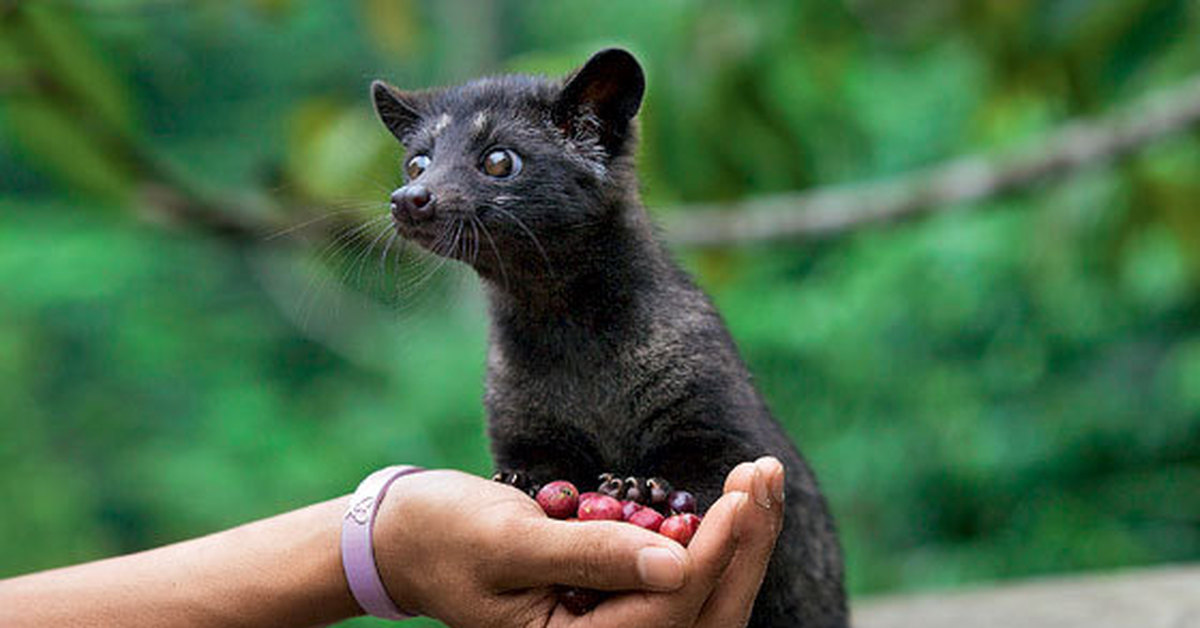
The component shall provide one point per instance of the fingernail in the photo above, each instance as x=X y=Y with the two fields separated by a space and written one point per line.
x=772 y=468
x=660 y=568
x=762 y=495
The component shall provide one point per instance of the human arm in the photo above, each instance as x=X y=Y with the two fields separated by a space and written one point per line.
x=450 y=545
x=285 y=570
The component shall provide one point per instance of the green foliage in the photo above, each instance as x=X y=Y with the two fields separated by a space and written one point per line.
x=1006 y=390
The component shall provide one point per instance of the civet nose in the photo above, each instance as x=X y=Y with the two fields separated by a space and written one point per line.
x=413 y=201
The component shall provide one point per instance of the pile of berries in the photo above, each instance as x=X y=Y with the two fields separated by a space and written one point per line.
x=650 y=504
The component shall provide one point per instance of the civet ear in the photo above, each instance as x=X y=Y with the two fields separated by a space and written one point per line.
x=399 y=110
x=602 y=97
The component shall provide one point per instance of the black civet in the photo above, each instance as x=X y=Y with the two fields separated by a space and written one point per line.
x=604 y=356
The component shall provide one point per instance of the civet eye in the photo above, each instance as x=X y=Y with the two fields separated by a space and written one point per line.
x=501 y=163
x=416 y=165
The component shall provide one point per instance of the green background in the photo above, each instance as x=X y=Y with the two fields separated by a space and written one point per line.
x=1006 y=390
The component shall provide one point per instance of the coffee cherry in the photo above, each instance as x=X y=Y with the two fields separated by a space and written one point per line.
x=647 y=518
x=600 y=508
x=636 y=490
x=611 y=486
x=559 y=499
x=681 y=528
x=579 y=601
x=681 y=501
x=659 y=489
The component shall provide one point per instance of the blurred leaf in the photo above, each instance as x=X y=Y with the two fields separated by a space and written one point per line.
x=274 y=7
x=392 y=25
x=14 y=65
x=84 y=71
x=1155 y=272
x=339 y=153
x=57 y=142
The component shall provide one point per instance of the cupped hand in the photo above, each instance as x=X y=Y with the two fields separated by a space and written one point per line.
x=472 y=552
x=728 y=558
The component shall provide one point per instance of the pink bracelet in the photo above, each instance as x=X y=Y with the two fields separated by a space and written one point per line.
x=358 y=556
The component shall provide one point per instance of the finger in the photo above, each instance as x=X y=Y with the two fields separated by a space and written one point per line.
x=606 y=555
x=713 y=546
x=741 y=478
x=756 y=529
x=710 y=550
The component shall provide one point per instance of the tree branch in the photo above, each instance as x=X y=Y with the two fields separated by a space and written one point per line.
x=823 y=212
x=827 y=212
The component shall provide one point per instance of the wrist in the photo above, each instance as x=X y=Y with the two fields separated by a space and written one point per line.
x=361 y=542
x=396 y=553
x=331 y=591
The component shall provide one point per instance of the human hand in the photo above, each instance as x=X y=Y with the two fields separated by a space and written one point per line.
x=729 y=557
x=472 y=553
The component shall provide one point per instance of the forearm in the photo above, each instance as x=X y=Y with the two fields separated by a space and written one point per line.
x=282 y=571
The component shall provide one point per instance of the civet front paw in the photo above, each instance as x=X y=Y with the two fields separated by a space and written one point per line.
x=516 y=479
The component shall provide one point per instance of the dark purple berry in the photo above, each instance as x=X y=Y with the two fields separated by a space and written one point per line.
x=636 y=490
x=681 y=502
x=659 y=489
x=612 y=486
x=579 y=601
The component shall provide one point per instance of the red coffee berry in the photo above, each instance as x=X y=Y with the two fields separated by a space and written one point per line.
x=600 y=508
x=681 y=528
x=559 y=499
x=628 y=507
x=647 y=518
x=586 y=496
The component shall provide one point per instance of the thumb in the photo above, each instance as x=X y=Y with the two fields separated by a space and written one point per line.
x=605 y=555
x=758 y=525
